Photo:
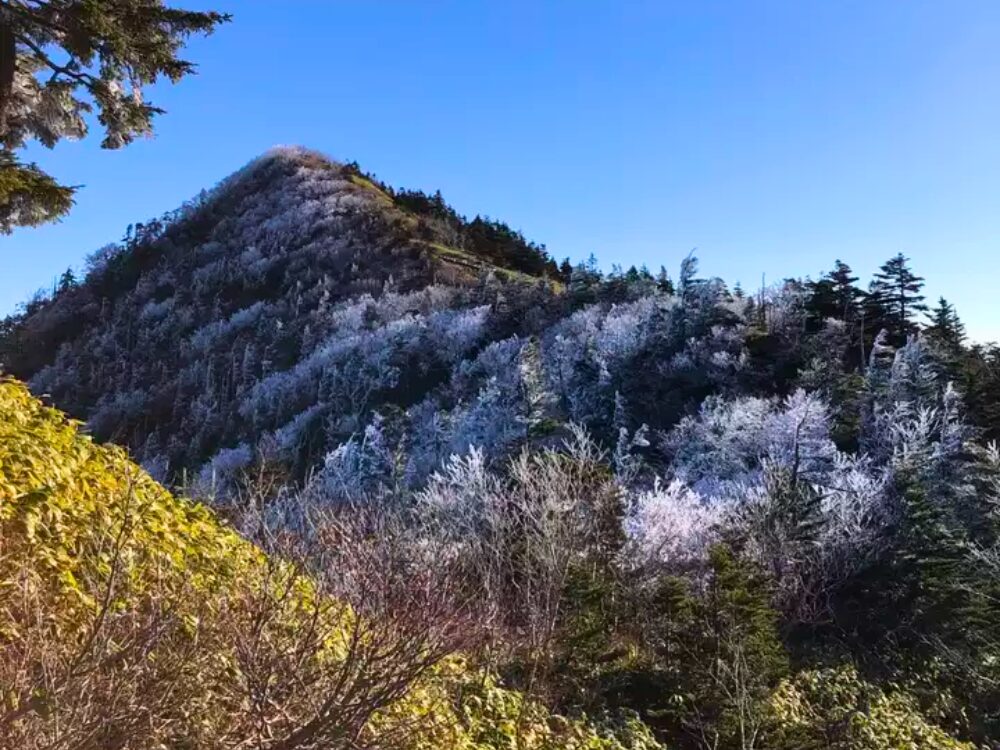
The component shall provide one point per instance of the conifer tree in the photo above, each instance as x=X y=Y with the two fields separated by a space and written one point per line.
x=927 y=563
x=663 y=281
x=67 y=281
x=946 y=335
x=946 y=329
x=60 y=59
x=729 y=653
x=565 y=270
x=895 y=298
x=835 y=295
x=980 y=378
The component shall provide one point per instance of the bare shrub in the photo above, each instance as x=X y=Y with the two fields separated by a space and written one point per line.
x=317 y=643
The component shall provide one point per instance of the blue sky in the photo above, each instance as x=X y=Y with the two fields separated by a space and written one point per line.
x=774 y=137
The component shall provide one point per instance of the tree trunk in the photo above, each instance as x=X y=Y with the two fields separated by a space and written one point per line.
x=8 y=65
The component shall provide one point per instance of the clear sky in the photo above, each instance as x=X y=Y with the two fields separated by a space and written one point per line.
x=774 y=137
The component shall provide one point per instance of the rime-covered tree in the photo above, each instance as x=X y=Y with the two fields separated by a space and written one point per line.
x=60 y=59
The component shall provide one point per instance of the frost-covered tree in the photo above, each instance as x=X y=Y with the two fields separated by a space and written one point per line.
x=903 y=399
x=363 y=466
x=59 y=60
x=727 y=444
x=670 y=526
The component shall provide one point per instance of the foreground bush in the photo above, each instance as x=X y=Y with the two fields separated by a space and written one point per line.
x=131 y=619
x=836 y=709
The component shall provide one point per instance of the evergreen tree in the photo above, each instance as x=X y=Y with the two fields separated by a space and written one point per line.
x=835 y=295
x=946 y=329
x=845 y=292
x=926 y=564
x=790 y=523
x=946 y=334
x=688 y=278
x=565 y=270
x=723 y=652
x=980 y=379
x=67 y=280
x=663 y=281
x=585 y=280
x=109 y=51
x=895 y=298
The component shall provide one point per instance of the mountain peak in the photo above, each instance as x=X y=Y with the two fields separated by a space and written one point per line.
x=187 y=325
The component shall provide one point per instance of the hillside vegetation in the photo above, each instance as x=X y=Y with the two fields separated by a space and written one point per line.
x=176 y=339
x=133 y=619
x=468 y=493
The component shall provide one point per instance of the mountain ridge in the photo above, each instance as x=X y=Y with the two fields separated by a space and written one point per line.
x=277 y=243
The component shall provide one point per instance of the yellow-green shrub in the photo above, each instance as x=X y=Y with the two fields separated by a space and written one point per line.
x=63 y=500
x=835 y=709
x=483 y=715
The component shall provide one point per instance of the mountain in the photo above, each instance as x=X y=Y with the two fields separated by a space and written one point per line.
x=262 y=302
x=306 y=317
x=703 y=518
x=302 y=308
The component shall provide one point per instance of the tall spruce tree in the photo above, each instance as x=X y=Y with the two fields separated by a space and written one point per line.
x=60 y=59
x=895 y=298
x=945 y=327
x=946 y=334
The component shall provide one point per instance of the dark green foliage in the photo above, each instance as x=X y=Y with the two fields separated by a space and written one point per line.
x=789 y=525
x=28 y=196
x=565 y=270
x=695 y=660
x=946 y=328
x=910 y=597
x=894 y=299
x=946 y=334
x=836 y=295
x=107 y=51
x=482 y=236
x=713 y=655
x=663 y=281
x=586 y=645
x=584 y=282
x=66 y=282
x=979 y=381
x=925 y=563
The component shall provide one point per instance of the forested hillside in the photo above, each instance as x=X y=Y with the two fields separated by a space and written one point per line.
x=716 y=518
x=284 y=302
